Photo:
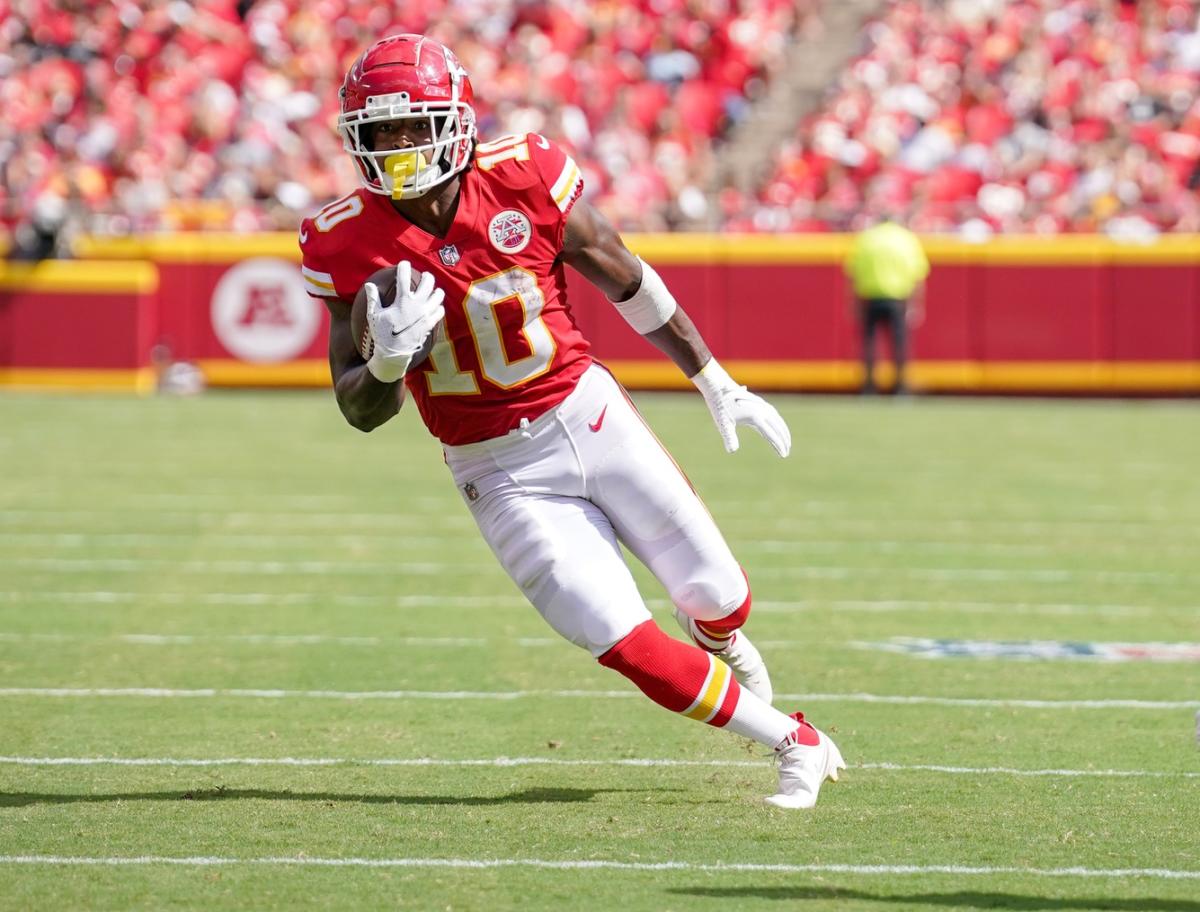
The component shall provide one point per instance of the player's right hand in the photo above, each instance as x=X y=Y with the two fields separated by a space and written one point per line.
x=732 y=405
x=400 y=328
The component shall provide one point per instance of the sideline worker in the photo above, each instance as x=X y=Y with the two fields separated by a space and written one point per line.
x=887 y=269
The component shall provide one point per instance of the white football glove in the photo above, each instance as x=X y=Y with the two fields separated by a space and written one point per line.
x=400 y=329
x=732 y=405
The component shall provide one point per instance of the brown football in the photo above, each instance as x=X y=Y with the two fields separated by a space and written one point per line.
x=385 y=280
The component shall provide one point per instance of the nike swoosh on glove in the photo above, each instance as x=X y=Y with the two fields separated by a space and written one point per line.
x=732 y=405
x=400 y=329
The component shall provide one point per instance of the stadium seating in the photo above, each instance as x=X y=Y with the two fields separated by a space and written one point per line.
x=968 y=116
x=983 y=116
x=144 y=115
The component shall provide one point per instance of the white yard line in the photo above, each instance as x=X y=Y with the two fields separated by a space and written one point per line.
x=1093 y=513
x=1009 y=771
x=263 y=598
x=220 y=537
x=387 y=568
x=601 y=864
x=870 y=606
x=824 y=544
x=406 y=520
x=900 y=700
x=847 y=518
x=974 y=574
x=293 y=639
x=205 y=567
x=871 y=545
x=837 y=516
x=326 y=503
x=318 y=639
x=258 y=639
x=889 y=606
x=506 y=762
x=273 y=694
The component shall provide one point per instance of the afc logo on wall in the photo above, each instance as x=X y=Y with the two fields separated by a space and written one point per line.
x=261 y=312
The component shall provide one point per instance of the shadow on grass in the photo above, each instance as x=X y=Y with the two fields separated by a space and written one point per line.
x=526 y=796
x=968 y=899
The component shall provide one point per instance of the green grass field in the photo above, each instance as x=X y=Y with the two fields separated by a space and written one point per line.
x=245 y=577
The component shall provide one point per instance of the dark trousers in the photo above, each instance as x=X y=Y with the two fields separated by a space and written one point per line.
x=889 y=312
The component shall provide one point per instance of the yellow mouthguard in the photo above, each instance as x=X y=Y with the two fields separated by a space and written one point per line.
x=401 y=167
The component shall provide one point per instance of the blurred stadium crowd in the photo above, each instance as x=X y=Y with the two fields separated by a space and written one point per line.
x=975 y=116
x=982 y=116
x=165 y=114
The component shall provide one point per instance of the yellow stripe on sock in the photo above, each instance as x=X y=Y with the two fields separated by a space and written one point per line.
x=714 y=689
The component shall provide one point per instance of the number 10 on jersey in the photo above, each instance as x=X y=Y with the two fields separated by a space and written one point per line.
x=486 y=299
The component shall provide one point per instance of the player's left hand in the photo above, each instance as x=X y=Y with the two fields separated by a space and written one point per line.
x=732 y=405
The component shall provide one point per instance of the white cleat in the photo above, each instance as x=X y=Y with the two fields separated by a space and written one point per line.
x=803 y=769
x=742 y=657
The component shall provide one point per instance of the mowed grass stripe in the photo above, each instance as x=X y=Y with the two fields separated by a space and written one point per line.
x=506 y=762
x=280 y=694
x=602 y=864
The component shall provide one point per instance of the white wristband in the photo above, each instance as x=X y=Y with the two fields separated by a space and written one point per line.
x=713 y=379
x=651 y=306
x=387 y=370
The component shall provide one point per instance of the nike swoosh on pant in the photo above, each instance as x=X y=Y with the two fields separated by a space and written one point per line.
x=599 y=421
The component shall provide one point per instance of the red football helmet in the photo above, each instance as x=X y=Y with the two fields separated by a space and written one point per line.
x=408 y=77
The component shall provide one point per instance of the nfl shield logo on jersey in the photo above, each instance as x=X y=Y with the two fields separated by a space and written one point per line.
x=449 y=255
x=510 y=231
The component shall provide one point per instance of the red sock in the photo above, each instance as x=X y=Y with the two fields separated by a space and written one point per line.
x=804 y=734
x=676 y=676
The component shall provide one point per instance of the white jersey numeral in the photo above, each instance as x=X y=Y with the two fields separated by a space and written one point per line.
x=338 y=211
x=515 y=286
x=513 y=147
x=446 y=379
x=510 y=353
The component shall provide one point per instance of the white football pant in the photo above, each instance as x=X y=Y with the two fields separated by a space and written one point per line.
x=553 y=499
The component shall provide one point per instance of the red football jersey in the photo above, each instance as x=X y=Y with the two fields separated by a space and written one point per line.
x=508 y=348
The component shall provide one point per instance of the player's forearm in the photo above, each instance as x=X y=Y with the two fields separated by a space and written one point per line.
x=366 y=402
x=652 y=310
x=680 y=341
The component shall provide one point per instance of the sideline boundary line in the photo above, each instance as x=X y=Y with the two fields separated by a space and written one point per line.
x=600 y=864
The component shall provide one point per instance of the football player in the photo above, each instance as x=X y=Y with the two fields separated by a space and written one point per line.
x=549 y=454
